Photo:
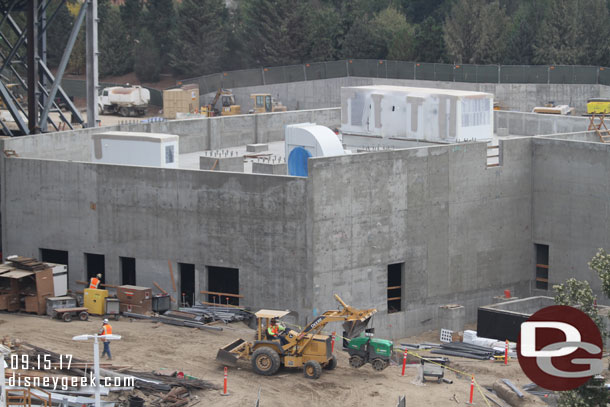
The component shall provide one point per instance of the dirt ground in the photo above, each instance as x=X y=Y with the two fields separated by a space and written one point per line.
x=148 y=346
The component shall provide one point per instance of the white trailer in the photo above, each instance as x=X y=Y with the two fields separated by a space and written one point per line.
x=126 y=101
x=435 y=115
x=132 y=148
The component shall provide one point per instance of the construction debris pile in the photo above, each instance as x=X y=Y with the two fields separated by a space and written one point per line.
x=70 y=381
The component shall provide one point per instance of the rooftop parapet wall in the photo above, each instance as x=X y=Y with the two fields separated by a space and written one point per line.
x=256 y=223
x=195 y=134
x=533 y=124
x=461 y=228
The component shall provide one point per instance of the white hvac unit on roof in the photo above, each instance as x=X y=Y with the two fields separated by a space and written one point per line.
x=436 y=115
x=306 y=140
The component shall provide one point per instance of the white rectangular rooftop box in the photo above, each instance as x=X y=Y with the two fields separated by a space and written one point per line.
x=131 y=148
x=437 y=115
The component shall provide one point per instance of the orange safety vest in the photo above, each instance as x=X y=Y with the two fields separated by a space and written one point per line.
x=107 y=329
x=95 y=282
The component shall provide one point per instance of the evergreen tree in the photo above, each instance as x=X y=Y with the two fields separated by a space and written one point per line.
x=116 y=49
x=146 y=64
x=364 y=41
x=594 y=33
x=199 y=37
x=132 y=12
x=390 y=24
x=324 y=35
x=161 y=19
x=474 y=32
x=275 y=31
x=523 y=27
x=58 y=33
x=429 y=42
x=557 y=40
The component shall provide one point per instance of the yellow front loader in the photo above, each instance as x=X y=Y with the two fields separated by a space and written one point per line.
x=307 y=349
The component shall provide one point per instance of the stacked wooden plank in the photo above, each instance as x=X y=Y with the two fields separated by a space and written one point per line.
x=27 y=263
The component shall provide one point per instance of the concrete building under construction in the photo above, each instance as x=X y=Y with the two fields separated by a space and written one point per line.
x=401 y=224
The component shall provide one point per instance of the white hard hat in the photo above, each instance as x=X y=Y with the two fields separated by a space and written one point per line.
x=105 y=320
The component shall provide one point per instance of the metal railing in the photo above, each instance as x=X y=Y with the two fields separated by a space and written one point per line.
x=375 y=68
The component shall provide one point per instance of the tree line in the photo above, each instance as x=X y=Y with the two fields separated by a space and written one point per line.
x=198 y=37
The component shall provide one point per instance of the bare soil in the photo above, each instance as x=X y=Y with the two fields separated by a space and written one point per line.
x=148 y=346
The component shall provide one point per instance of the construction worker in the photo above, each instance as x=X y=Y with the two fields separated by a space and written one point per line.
x=95 y=282
x=276 y=330
x=106 y=330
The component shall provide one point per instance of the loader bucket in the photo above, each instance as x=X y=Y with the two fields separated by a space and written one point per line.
x=229 y=354
x=355 y=328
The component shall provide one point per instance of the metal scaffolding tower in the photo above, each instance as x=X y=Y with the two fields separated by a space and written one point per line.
x=26 y=56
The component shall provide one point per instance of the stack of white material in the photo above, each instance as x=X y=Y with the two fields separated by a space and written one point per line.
x=471 y=337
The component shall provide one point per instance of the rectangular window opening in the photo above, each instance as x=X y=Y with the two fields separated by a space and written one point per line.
x=395 y=272
x=128 y=270
x=542 y=266
x=223 y=280
x=95 y=264
x=187 y=283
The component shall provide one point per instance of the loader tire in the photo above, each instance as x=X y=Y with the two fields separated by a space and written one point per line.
x=265 y=361
x=332 y=363
x=356 y=361
x=379 y=364
x=312 y=370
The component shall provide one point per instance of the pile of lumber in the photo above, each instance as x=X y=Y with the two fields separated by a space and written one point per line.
x=176 y=318
x=27 y=263
x=171 y=389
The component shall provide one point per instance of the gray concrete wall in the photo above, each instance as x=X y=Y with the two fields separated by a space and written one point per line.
x=195 y=134
x=326 y=92
x=256 y=223
x=570 y=205
x=463 y=230
x=533 y=124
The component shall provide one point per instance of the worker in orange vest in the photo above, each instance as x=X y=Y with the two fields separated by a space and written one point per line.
x=276 y=330
x=106 y=330
x=95 y=282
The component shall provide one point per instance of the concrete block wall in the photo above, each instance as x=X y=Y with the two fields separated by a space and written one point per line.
x=256 y=223
x=326 y=92
x=462 y=230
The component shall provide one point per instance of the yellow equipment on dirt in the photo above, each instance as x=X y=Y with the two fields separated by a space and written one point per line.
x=264 y=103
x=227 y=105
x=307 y=349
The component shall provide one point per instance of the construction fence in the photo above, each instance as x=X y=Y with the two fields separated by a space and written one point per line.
x=375 y=68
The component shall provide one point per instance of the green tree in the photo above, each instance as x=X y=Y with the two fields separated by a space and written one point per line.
x=600 y=263
x=557 y=40
x=58 y=33
x=575 y=293
x=522 y=28
x=474 y=31
x=275 y=31
x=116 y=50
x=591 y=394
x=325 y=34
x=199 y=37
x=364 y=41
x=428 y=41
x=146 y=65
x=390 y=24
x=161 y=19
x=132 y=13
x=594 y=33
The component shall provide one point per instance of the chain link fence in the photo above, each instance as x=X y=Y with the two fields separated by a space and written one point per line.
x=375 y=68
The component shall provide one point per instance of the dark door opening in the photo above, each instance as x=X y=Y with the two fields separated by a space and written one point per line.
x=395 y=287
x=542 y=266
x=187 y=283
x=94 y=264
x=128 y=270
x=223 y=280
